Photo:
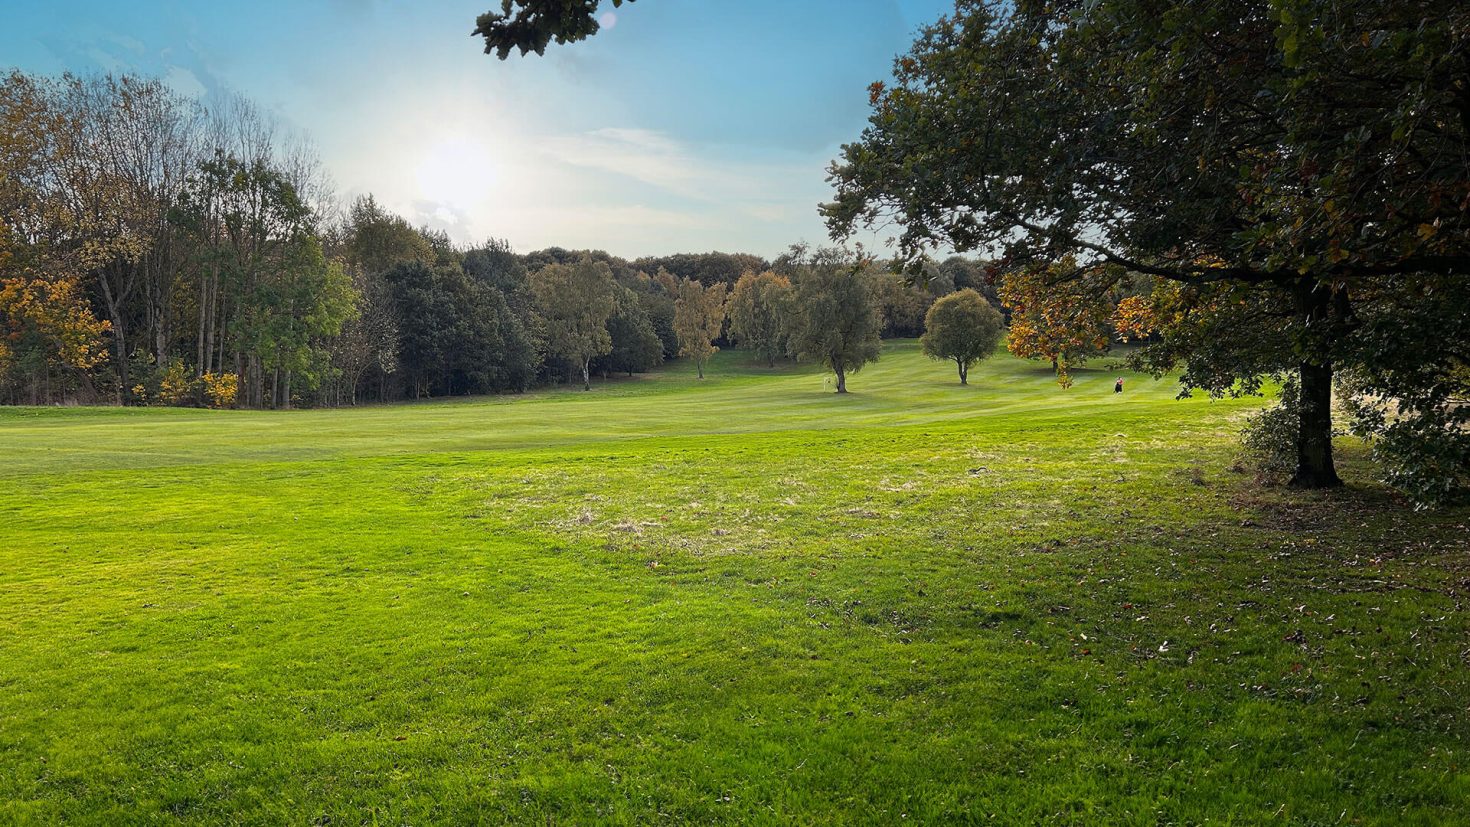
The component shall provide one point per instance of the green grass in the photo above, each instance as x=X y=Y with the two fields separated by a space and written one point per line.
x=737 y=600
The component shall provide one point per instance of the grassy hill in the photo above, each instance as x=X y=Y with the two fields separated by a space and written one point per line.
x=742 y=599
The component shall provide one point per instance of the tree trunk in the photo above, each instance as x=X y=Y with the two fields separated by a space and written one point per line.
x=217 y=323
x=89 y=390
x=200 y=366
x=1314 y=467
x=120 y=352
x=964 y=372
x=586 y=375
x=841 y=378
x=699 y=368
x=257 y=381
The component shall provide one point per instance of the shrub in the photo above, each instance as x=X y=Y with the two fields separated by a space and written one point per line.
x=1426 y=461
x=1269 y=437
x=220 y=388
x=175 y=386
x=1421 y=449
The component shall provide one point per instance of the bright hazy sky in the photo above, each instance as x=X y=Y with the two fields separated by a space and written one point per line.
x=684 y=125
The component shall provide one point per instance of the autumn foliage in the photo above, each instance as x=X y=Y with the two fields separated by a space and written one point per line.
x=49 y=323
x=699 y=317
x=1056 y=315
x=758 y=308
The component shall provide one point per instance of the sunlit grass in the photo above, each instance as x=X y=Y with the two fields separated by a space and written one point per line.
x=742 y=599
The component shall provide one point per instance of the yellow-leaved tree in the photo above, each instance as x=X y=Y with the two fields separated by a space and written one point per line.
x=699 y=316
x=47 y=325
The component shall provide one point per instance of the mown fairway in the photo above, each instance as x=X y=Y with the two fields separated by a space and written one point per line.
x=744 y=599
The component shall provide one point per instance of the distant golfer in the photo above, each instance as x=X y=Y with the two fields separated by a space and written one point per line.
x=1118 y=386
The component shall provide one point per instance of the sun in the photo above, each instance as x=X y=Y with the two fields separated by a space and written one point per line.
x=457 y=171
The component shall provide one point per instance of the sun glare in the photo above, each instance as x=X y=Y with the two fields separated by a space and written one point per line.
x=457 y=171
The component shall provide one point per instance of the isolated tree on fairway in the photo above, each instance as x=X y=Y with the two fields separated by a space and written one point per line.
x=575 y=302
x=699 y=316
x=759 y=307
x=1285 y=164
x=835 y=320
x=963 y=328
x=1057 y=314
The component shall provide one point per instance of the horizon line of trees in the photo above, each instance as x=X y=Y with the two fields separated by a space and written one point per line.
x=157 y=250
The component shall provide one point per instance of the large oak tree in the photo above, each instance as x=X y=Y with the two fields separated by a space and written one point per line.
x=1296 y=169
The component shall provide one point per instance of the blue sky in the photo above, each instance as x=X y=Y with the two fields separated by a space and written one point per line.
x=685 y=125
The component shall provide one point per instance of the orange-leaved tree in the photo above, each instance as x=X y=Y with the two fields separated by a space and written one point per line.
x=1056 y=315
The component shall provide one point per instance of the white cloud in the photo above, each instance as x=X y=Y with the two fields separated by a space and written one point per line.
x=658 y=160
x=184 y=82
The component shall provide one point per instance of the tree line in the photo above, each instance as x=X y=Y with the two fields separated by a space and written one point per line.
x=155 y=250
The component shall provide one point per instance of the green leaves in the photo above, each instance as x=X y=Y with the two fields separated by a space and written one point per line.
x=1275 y=149
x=530 y=25
x=575 y=302
x=835 y=321
x=963 y=327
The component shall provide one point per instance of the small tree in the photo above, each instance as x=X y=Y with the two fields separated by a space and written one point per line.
x=759 y=305
x=1053 y=316
x=699 y=316
x=962 y=327
x=575 y=303
x=835 y=320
